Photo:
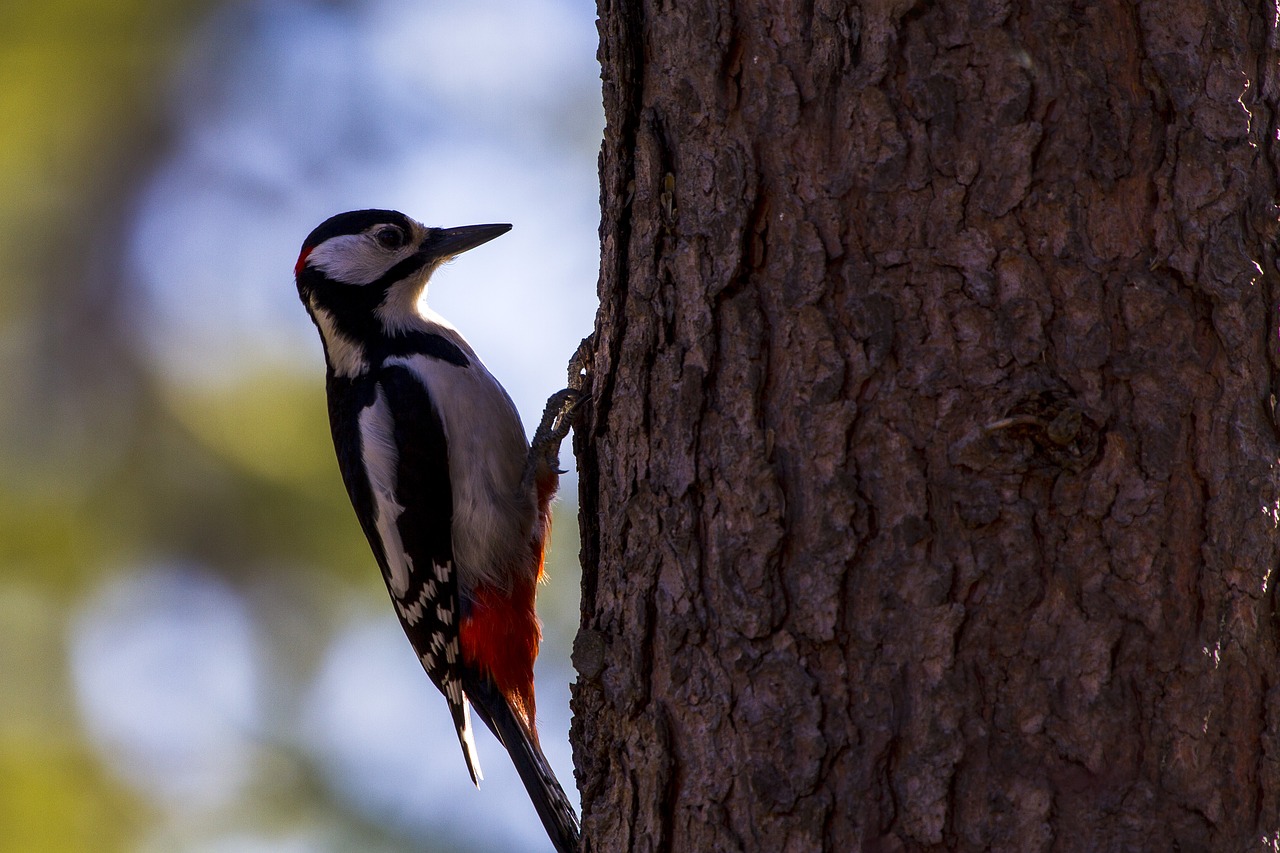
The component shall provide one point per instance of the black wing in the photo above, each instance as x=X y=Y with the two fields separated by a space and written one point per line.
x=429 y=608
x=390 y=416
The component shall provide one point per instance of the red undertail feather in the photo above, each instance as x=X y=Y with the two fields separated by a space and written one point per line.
x=500 y=637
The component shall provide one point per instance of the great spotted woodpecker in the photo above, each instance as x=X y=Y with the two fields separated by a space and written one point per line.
x=454 y=502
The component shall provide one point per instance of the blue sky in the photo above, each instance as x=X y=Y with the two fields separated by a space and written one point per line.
x=287 y=112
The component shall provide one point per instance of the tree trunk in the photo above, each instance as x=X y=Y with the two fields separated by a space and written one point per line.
x=929 y=491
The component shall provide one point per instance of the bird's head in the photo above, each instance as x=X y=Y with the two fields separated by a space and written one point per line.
x=360 y=274
x=374 y=264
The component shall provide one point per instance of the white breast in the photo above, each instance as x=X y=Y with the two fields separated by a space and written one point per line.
x=492 y=515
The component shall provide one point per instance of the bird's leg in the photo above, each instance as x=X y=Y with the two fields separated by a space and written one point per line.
x=557 y=418
x=544 y=450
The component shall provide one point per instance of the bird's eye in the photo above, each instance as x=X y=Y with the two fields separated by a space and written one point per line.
x=391 y=237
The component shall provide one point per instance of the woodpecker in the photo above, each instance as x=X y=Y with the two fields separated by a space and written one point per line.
x=454 y=501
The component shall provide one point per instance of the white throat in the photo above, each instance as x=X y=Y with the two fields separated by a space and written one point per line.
x=402 y=309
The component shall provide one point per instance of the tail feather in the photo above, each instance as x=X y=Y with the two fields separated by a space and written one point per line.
x=553 y=807
x=466 y=737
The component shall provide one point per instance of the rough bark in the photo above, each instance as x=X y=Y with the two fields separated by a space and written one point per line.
x=929 y=490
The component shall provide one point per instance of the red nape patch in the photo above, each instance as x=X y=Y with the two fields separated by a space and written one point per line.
x=500 y=637
x=302 y=261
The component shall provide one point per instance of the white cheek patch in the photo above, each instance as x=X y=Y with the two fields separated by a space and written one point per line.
x=355 y=259
x=380 y=458
x=346 y=357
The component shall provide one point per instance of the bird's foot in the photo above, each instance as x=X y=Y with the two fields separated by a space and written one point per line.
x=557 y=418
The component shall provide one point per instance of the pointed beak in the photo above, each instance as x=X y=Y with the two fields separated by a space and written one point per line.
x=443 y=243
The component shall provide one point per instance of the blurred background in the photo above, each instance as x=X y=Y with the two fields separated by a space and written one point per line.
x=196 y=650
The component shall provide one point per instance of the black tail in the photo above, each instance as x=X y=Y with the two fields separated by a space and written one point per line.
x=540 y=781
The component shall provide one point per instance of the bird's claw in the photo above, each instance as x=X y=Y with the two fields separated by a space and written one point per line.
x=557 y=419
x=559 y=415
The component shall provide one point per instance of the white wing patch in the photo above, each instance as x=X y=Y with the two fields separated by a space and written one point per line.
x=380 y=457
